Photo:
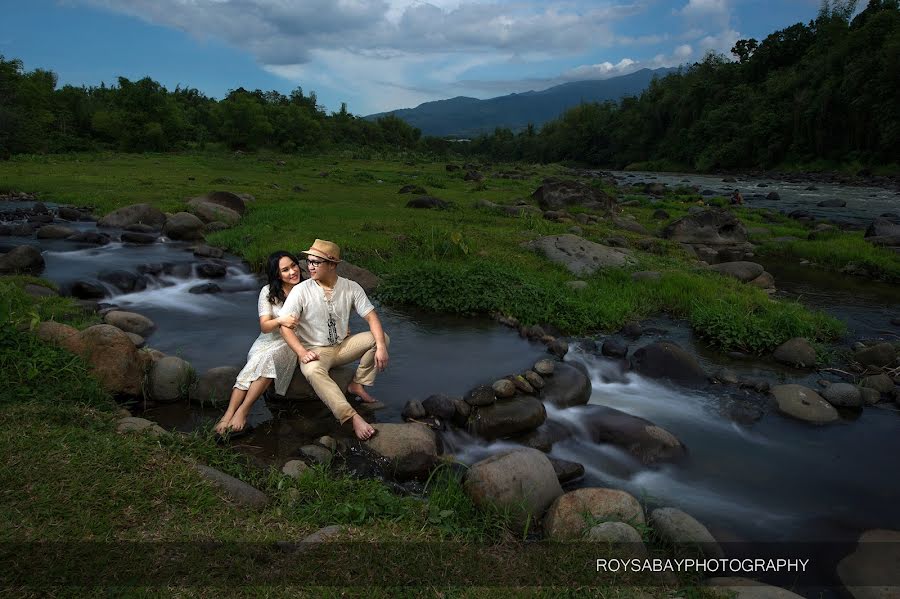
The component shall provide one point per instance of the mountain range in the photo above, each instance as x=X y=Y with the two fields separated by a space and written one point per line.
x=467 y=117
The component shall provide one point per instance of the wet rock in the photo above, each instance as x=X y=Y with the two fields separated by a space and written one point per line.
x=556 y=195
x=299 y=388
x=214 y=387
x=138 y=238
x=316 y=454
x=463 y=410
x=427 y=202
x=632 y=330
x=480 y=396
x=123 y=280
x=796 y=352
x=666 y=360
x=534 y=379
x=170 y=379
x=237 y=490
x=870 y=571
x=869 y=397
x=521 y=384
x=742 y=271
x=726 y=376
x=183 y=226
x=210 y=270
x=580 y=256
x=881 y=355
x=566 y=471
x=130 y=322
x=842 y=395
x=22 y=259
x=614 y=348
x=558 y=347
x=744 y=588
x=522 y=481
x=134 y=214
x=207 y=251
x=566 y=517
x=545 y=367
x=113 y=358
x=639 y=437
x=294 y=468
x=55 y=232
x=504 y=388
x=87 y=290
x=205 y=288
x=883 y=227
x=507 y=417
x=410 y=448
x=880 y=382
x=209 y=212
x=141 y=228
x=440 y=406
x=91 y=237
x=69 y=214
x=414 y=410
x=569 y=386
x=679 y=528
x=803 y=403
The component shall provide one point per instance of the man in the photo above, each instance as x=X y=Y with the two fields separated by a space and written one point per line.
x=322 y=303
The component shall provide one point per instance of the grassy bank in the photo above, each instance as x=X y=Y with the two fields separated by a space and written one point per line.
x=465 y=259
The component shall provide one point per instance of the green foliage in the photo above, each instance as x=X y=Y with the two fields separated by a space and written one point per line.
x=454 y=515
x=842 y=251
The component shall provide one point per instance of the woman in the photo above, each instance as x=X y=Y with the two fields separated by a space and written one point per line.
x=270 y=357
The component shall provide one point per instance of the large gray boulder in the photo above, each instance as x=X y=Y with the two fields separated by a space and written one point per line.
x=228 y=200
x=366 y=279
x=708 y=227
x=556 y=194
x=22 y=259
x=143 y=214
x=569 y=385
x=884 y=227
x=639 y=437
x=183 y=226
x=410 y=448
x=507 y=417
x=666 y=360
x=209 y=212
x=745 y=588
x=569 y=517
x=880 y=355
x=843 y=395
x=679 y=528
x=54 y=232
x=741 y=270
x=214 y=386
x=130 y=322
x=580 y=256
x=796 y=352
x=113 y=358
x=870 y=572
x=803 y=403
x=879 y=382
x=170 y=379
x=522 y=481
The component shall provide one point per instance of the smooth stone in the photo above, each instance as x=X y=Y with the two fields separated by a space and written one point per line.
x=569 y=386
x=237 y=490
x=317 y=454
x=138 y=238
x=843 y=395
x=55 y=232
x=507 y=417
x=880 y=382
x=803 y=403
x=544 y=367
x=566 y=517
x=796 y=352
x=410 y=448
x=170 y=379
x=504 y=388
x=214 y=386
x=619 y=534
x=566 y=470
x=130 y=322
x=294 y=468
x=880 y=355
x=666 y=360
x=680 y=528
x=132 y=424
x=480 y=396
x=414 y=410
x=138 y=341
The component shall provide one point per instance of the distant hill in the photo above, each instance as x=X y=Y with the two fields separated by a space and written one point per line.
x=467 y=117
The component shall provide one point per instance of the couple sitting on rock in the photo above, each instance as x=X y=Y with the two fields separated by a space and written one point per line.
x=307 y=323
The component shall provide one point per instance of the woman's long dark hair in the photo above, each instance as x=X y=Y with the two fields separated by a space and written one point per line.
x=273 y=273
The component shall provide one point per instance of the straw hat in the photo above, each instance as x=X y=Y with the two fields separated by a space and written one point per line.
x=326 y=250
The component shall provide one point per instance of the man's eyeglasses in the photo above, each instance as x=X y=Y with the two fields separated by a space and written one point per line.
x=314 y=263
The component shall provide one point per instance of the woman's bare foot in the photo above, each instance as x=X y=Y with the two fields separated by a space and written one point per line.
x=223 y=424
x=360 y=391
x=361 y=428
x=238 y=421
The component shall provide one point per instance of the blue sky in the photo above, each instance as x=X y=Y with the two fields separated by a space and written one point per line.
x=377 y=55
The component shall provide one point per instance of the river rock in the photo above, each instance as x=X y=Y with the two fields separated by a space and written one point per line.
x=796 y=352
x=833 y=203
x=214 y=387
x=763 y=281
x=123 y=280
x=709 y=227
x=237 y=490
x=88 y=290
x=679 y=528
x=209 y=212
x=134 y=214
x=556 y=195
x=133 y=424
x=294 y=468
x=566 y=518
x=440 y=406
x=880 y=382
x=427 y=201
x=883 y=227
x=522 y=481
x=881 y=355
x=629 y=225
x=410 y=448
x=205 y=289
x=639 y=437
x=413 y=410
x=299 y=388
x=91 y=237
x=741 y=270
x=545 y=367
x=138 y=238
x=58 y=334
x=55 y=232
x=22 y=259
x=521 y=384
x=534 y=379
x=480 y=396
x=569 y=386
x=228 y=200
x=744 y=588
x=666 y=360
x=130 y=322
x=207 y=251
x=183 y=226
x=113 y=358
x=558 y=347
x=69 y=213
x=614 y=348
x=619 y=537
x=507 y=417
x=170 y=379
x=870 y=572
x=842 y=395
x=580 y=256
x=316 y=454
x=211 y=270
x=504 y=388
x=566 y=471
x=803 y=403
x=869 y=397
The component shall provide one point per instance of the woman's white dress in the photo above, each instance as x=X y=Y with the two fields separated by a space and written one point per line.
x=269 y=356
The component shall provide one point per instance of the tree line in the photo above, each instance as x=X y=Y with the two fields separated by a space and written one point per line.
x=826 y=92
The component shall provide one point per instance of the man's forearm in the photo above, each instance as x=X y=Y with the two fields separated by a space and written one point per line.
x=290 y=337
x=376 y=328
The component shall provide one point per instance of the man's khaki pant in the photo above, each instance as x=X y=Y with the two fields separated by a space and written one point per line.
x=360 y=346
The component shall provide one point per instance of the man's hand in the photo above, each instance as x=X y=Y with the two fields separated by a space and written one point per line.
x=309 y=356
x=381 y=358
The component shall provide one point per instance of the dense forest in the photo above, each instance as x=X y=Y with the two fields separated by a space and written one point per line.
x=827 y=92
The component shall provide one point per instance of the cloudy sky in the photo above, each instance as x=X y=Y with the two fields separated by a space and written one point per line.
x=381 y=54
